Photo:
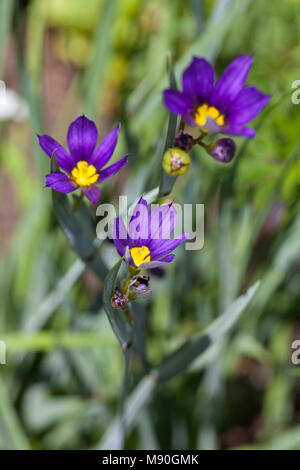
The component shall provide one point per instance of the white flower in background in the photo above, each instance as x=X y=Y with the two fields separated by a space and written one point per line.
x=12 y=106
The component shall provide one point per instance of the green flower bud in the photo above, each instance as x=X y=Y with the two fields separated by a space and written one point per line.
x=176 y=162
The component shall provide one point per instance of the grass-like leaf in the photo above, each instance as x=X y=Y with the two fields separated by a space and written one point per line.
x=167 y=181
x=188 y=352
x=12 y=436
x=179 y=361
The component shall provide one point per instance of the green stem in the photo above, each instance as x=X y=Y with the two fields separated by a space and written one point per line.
x=131 y=273
x=122 y=411
x=125 y=288
x=199 y=141
x=78 y=202
x=127 y=314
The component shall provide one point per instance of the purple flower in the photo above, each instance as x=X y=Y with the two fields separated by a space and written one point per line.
x=83 y=164
x=147 y=243
x=223 y=107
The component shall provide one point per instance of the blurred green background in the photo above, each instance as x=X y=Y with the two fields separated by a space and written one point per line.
x=61 y=386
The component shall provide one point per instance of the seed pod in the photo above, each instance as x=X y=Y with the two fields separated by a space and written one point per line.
x=176 y=162
x=223 y=150
x=183 y=141
x=119 y=300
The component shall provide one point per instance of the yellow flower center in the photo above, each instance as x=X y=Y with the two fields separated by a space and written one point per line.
x=204 y=111
x=84 y=174
x=140 y=255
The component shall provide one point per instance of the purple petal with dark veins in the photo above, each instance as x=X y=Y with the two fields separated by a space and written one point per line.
x=50 y=145
x=93 y=194
x=157 y=263
x=135 y=212
x=138 y=225
x=198 y=80
x=120 y=236
x=162 y=222
x=239 y=131
x=60 y=182
x=249 y=102
x=231 y=82
x=82 y=138
x=168 y=246
x=105 y=149
x=177 y=102
x=112 y=169
x=167 y=259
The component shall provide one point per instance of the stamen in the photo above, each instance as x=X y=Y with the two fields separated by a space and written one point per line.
x=204 y=111
x=140 y=255
x=84 y=174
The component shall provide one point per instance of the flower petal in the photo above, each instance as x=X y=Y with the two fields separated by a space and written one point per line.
x=82 y=138
x=136 y=209
x=120 y=236
x=177 y=102
x=60 y=182
x=50 y=145
x=93 y=194
x=138 y=225
x=168 y=246
x=112 y=169
x=167 y=259
x=162 y=222
x=249 y=102
x=104 y=151
x=158 y=263
x=240 y=131
x=231 y=82
x=198 y=80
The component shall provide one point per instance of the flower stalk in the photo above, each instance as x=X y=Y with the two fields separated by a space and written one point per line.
x=78 y=202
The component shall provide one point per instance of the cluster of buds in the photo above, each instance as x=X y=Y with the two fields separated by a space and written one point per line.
x=176 y=161
x=138 y=288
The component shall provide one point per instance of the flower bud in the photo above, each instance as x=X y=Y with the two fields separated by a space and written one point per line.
x=183 y=141
x=176 y=162
x=223 y=150
x=119 y=300
x=139 y=287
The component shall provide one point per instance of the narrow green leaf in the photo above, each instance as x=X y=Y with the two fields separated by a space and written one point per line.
x=227 y=279
x=192 y=349
x=49 y=341
x=198 y=12
x=138 y=399
x=95 y=72
x=167 y=181
x=288 y=440
x=6 y=10
x=30 y=83
x=120 y=325
x=12 y=436
x=176 y=363
x=50 y=303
